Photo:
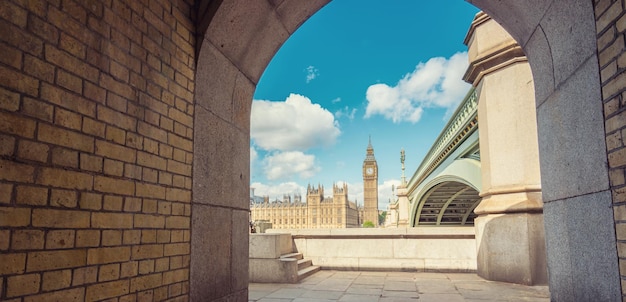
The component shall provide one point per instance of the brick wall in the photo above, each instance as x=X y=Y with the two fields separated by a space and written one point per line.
x=611 y=29
x=96 y=128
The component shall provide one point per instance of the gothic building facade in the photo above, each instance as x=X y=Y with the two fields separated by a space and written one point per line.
x=319 y=211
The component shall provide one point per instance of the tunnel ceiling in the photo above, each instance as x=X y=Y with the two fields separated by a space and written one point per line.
x=448 y=203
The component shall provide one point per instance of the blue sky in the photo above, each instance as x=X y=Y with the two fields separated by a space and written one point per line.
x=358 y=68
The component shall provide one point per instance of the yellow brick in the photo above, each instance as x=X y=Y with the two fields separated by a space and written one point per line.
x=175 y=289
x=149 y=221
x=9 y=100
x=56 y=280
x=113 y=167
x=114 y=151
x=178 y=181
x=50 y=260
x=90 y=201
x=38 y=109
x=147 y=251
x=178 y=209
x=33 y=151
x=93 y=127
x=102 y=291
x=174 y=194
x=178 y=236
x=153 y=161
x=115 y=135
x=129 y=269
x=175 y=140
x=109 y=272
x=5 y=241
x=150 y=191
x=177 y=222
x=16 y=172
x=132 y=171
x=178 y=168
x=146 y=266
x=148 y=236
x=37 y=196
x=65 y=179
x=22 y=285
x=66 y=138
x=162 y=264
x=7 y=145
x=60 y=218
x=12 y=264
x=67 y=119
x=149 y=206
x=175 y=249
x=131 y=237
x=27 y=240
x=176 y=262
x=108 y=255
x=113 y=203
x=114 y=185
x=69 y=295
x=175 y=276
x=63 y=198
x=65 y=157
x=117 y=118
x=111 y=238
x=85 y=275
x=160 y=293
x=165 y=208
x=87 y=238
x=14 y=217
x=91 y=163
x=163 y=236
x=13 y=124
x=60 y=239
x=150 y=175
x=111 y=220
x=132 y=204
x=145 y=282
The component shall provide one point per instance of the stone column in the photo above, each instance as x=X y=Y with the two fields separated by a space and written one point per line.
x=509 y=227
x=403 y=206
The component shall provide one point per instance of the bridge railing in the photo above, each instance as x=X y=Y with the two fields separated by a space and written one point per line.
x=464 y=121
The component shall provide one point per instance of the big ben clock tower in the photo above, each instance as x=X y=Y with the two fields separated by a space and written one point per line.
x=370 y=186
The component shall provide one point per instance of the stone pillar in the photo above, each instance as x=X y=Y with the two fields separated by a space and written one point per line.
x=403 y=206
x=509 y=227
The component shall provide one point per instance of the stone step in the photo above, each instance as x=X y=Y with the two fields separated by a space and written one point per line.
x=292 y=255
x=308 y=271
x=304 y=263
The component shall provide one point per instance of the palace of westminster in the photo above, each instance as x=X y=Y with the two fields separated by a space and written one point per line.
x=320 y=211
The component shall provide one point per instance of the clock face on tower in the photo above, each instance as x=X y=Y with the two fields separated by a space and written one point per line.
x=369 y=171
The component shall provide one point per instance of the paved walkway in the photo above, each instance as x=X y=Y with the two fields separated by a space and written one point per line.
x=395 y=286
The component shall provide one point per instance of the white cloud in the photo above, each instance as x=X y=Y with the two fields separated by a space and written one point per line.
x=311 y=73
x=385 y=193
x=295 y=124
x=336 y=100
x=277 y=191
x=436 y=83
x=286 y=165
x=345 y=112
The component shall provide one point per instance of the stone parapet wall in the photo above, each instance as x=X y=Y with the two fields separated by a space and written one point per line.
x=611 y=29
x=96 y=128
x=398 y=249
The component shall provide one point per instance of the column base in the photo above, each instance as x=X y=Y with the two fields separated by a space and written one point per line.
x=511 y=248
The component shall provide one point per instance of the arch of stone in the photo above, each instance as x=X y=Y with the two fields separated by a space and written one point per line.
x=125 y=131
x=561 y=41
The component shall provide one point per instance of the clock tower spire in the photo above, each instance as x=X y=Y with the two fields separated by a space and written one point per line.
x=370 y=185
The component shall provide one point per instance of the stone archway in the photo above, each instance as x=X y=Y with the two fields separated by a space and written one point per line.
x=559 y=38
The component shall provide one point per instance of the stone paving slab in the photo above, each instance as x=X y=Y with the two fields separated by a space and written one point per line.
x=327 y=285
